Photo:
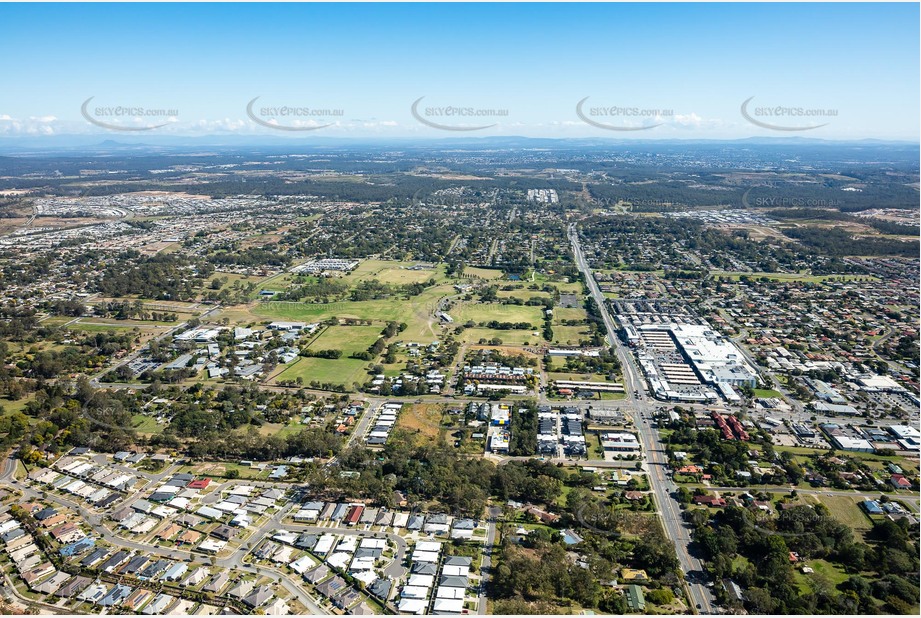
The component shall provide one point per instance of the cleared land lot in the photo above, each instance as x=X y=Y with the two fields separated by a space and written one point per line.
x=482 y=273
x=416 y=312
x=567 y=313
x=184 y=309
x=424 y=418
x=576 y=377
x=835 y=575
x=147 y=424
x=508 y=337
x=221 y=470
x=348 y=339
x=523 y=294
x=387 y=271
x=485 y=312
x=345 y=371
x=847 y=510
x=570 y=335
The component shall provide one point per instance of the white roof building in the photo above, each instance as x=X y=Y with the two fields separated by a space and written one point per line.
x=414 y=592
x=411 y=605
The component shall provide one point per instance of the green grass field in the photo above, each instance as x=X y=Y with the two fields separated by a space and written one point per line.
x=9 y=406
x=387 y=271
x=233 y=278
x=349 y=339
x=569 y=335
x=416 y=312
x=508 y=337
x=846 y=510
x=173 y=306
x=98 y=328
x=835 y=575
x=483 y=273
x=574 y=287
x=485 y=312
x=97 y=325
x=279 y=429
x=568 y=313
x=344 y=371
x=278 y=281
x=522 y=293
x=577 y=377
x=146 y=424
x=767 y=393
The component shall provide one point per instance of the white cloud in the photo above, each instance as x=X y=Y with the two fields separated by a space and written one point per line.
x=687 y=119
x=34 y=125
x=223 y=124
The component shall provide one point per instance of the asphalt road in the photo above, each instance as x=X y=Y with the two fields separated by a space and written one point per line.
x=656 y=460
x=486 y=562
x=361 y=428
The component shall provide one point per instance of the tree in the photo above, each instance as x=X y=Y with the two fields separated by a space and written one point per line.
x=656 y=554
x=660 y=596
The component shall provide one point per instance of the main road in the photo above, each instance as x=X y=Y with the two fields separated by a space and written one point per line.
x=656 y=460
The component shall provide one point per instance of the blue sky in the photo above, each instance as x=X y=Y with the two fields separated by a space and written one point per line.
x=686 y=68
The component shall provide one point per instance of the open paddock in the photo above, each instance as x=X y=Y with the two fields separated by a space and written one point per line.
x=561 y=314
x=422 y=418
x=417 y=312
x=483 y=273
x=507 y=337
x=344 y=371
x=486 y=312
x=184 y=309
x=522 y=293
x=348 y=339
x=847 y=510
x=570 y=335
x=397 y=273
x=575 y=377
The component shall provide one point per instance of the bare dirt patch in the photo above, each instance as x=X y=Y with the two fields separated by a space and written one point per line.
x=422 y=418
